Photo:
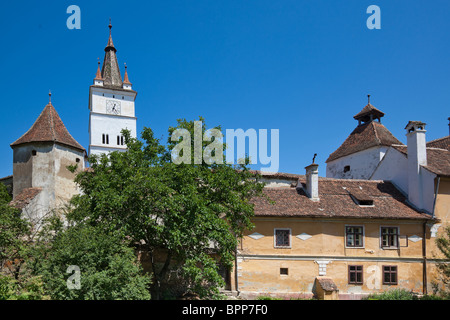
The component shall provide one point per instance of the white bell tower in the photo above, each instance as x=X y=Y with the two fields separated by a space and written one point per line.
x=111 y=105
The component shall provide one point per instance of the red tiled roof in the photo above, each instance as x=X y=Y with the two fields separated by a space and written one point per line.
x=336 y=201
x=441 y=143
x=281 y=175
x=438 y=160
x=368 y=109
x=365 y=136
x=48 y=127
x=326 y=283
x=25 y=197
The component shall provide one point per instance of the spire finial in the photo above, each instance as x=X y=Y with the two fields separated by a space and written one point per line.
x=125 y=77
x=368 y=98
x=49 y=97
x=110 y=25
x=98 y=75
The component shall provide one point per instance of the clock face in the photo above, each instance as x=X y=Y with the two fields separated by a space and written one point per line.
x=112 y=107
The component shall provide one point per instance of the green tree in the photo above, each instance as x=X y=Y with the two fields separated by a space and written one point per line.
x=14 y=236
x=16 y=241
x=188 y=218
x=108 y=267
x=443 y=244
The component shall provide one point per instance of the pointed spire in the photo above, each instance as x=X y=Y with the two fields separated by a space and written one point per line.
x=125 y=77
x=110 y=69
x=98 y=75
x=110 y=42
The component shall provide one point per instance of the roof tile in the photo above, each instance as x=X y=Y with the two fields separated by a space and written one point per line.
x=336 y=201
x=365 y=136
x=48 y=127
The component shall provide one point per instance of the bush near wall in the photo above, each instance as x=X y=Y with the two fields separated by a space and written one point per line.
x=400 y=294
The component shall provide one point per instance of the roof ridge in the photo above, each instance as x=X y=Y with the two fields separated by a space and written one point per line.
x=441 y=138
x=375 y=131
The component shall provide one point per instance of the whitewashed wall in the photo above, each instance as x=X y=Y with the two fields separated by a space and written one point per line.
x=393 y=167
x=362 y=164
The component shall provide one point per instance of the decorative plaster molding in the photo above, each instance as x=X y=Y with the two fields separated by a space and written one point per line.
x=256 y=236
x=414 y=238
x=304 y=236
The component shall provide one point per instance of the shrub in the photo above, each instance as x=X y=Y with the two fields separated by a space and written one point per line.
x=394 y=294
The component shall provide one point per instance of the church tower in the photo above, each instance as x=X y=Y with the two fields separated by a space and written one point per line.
x=364 y=148
x=111 y=105
x=41 y=179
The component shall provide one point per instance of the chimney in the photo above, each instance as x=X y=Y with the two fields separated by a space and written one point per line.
x=448 y=125
x=417 y=157
x=312 y=181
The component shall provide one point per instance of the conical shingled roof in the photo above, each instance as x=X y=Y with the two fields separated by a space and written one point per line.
x=110 y=69
x=365 y=136
x=48 y=127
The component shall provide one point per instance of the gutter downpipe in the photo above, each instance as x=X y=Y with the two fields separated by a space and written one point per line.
x=424 y=253
x=236 y=280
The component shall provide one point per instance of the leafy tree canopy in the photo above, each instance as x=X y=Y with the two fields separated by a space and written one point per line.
x=186 y=217
x=82 y=262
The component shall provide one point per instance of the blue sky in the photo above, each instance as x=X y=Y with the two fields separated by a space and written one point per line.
x=303 y=67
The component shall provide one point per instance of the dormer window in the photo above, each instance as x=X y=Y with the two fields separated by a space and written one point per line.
x=365 y=202
x=362 y=201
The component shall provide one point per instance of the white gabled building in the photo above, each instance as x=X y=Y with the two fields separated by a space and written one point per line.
x=417 y=168
x=363 y=149
x=111 y=105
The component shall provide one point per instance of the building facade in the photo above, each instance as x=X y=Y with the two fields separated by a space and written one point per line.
x=361 y=235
